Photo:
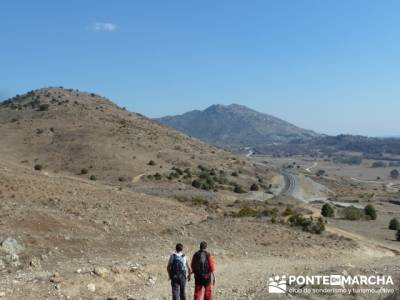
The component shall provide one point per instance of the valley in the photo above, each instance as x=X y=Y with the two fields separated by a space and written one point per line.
x=94 y=199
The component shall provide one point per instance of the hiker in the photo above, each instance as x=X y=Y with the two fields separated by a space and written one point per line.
x=177 y=269
x=203 y=267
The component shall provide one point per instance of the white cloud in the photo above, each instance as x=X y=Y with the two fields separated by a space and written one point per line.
x=101 y=26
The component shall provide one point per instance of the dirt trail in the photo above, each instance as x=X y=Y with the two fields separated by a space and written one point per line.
x=247 y=278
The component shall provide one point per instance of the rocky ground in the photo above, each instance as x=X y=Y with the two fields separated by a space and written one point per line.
x=66 y=238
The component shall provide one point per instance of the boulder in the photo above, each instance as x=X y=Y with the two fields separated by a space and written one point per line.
x=11 y=246
x=91 y=287
x=101 y=272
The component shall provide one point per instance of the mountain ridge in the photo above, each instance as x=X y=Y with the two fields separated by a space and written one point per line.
x=236 y=126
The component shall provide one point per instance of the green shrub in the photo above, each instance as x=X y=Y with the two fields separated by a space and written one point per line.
x=274 y=212
x=38 y=167
x=93 y=177
x=247 y=212
x=327 y=211
x=273 y=220
x=199 y=201
x=394 y=224
x=235 y=174
x=352 y=213
x=398 y=235
x=287 y=212
x=43 y=107
x=157 y=176
x=265 y=213
x=151 y=163
x=239 y=190
x=254 y=187
x=394 y=174
x=173 y=175
x=121 y=179
x=299 y=220
x=370 y=212
x=317 y=227
x=84 y=171
x=196 y=183
x=178 y=171
x=378 y=164
x=307 y=224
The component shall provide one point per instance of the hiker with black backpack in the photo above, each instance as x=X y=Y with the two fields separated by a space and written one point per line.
x=203 y=267
x=178 y=271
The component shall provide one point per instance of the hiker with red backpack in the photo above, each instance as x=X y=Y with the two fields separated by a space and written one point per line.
x=203 y=267
x=178 y=271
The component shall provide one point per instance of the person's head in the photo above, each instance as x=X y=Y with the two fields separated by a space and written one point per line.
x=203 y=245
x=179 y=247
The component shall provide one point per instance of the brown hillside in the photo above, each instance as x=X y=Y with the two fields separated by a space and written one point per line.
x=67 y=131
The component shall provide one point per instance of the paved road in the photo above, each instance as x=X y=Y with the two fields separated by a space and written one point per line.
x=291 y=183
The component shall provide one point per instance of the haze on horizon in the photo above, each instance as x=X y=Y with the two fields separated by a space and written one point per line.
x=329 y=66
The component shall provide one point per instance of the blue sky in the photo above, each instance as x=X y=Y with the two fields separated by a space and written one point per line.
x=330 y=66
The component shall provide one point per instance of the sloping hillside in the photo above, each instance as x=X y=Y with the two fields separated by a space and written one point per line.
x=59 y=130
x=236 y=126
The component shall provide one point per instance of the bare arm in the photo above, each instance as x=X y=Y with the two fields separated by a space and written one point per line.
x=189 y=269
x=169 y=268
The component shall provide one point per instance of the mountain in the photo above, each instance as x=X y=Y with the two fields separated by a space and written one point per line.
x=236 y=126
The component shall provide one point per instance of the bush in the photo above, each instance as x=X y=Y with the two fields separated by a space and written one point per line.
x=321 y=173
x=178 y=171
x=287 y=212
x=93 y=177
x=394 y=174
x=199 y=201
x=247 y=212
x=327 y=211
x=378 y=164
x=238 y=189
x=352 y=213
x=394 y=224
x=299 y=220
x=370 y=212
x=196 y=183
x=274 y=212
x=316 y=227
x=398 y=235
x=151 y=163
x=235 y=174
x=254 y=187
x=43 y=107
x=38 y=167
x=121 y=179
x=307 y=224
x=84 y=171
x=157 y=176
x=350 y=160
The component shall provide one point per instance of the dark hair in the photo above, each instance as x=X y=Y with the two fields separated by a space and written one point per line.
x=203 y=245
x=179 y=247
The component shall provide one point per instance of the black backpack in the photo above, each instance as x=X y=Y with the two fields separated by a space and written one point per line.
x=201 y=268
x=177 y=266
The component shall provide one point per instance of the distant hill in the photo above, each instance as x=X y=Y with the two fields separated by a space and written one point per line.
x=237 y=126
